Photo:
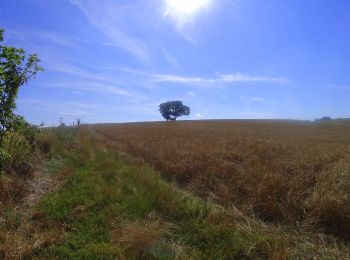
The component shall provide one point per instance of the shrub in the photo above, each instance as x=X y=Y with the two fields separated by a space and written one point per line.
x=26 y=129
x=45 y=142
x=16 y=69
x=4 y=156
x=11 y=190
x=17 y=157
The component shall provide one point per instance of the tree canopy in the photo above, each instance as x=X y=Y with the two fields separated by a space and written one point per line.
x=16 y=69
x=172 y=109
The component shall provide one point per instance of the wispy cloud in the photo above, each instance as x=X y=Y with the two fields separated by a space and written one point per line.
x=180 y=79
x=170 y=58
x=58 y=38
x=104 y=16
x=196 y=80
x=340 y=87
x=96 y=87
x=257 y=99
x=43 y=37
x=239 y=77
x=269 y=102
x=67 y=68
x=191 y=93
x=91 y=81
x=65 y=108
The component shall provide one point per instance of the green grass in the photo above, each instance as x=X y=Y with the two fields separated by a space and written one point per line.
x=112 y=206
x=10 y=220
x=109 y=205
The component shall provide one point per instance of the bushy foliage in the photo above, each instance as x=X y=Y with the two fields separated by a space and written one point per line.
x=4 y=156
x=172 y=109
x=29 y=131
x=324 y=118
x=17 y=157
x=16 y=69
x=18 y=147
x=17 y=137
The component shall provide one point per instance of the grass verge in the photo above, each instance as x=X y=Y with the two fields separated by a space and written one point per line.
x=113 y=206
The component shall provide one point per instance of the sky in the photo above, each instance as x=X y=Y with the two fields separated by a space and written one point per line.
x=117 y=60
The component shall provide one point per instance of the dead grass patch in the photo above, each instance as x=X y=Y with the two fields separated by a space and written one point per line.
x=138 y=237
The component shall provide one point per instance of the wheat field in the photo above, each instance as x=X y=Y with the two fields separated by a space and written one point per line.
x=293 y=173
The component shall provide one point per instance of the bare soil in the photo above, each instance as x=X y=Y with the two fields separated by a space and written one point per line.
x=39 y=185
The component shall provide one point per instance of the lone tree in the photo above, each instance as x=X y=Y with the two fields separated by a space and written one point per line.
x=172 y=109
x=15 y=70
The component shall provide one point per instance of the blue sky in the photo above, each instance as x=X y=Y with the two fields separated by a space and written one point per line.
x=117 y=60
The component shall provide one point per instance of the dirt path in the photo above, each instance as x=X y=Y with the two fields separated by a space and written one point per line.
x=23 y=236
x=39 y=185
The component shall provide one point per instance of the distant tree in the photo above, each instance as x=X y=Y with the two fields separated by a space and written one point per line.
x=173 y=109
x=325 y=118
x=16 y=69
x=78 y=121
x=61 y=122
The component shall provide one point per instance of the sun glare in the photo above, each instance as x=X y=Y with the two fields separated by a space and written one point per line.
x=184 y=8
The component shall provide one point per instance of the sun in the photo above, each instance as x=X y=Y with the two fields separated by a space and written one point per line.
x=183 y=9
x=186 y=6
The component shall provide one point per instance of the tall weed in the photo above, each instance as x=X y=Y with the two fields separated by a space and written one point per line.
x=19 y=157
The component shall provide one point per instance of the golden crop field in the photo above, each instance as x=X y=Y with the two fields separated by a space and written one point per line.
x=287 y=172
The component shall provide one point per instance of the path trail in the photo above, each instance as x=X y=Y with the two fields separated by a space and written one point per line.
x=26 y=237
x=39 y=185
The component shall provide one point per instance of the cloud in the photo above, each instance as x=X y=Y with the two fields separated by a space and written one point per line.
x=85 y=80
x=104 y=15
x=65 y=108
x=41 y=37
x=199 y=115
x=261 y=100
x=257 y=99
x=239 y=77
x=179 y=79
x=221 y=78
x=191 y=93
x=196 y=80
x=73 y=70
x=96 y=87
x=340 y=87
x=58 y=38
x=170 y=58
x=226 y=78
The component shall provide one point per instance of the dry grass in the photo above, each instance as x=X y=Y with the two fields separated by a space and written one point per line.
x=138 y=237
x=17 y=167
x=294 y=173
x=111 y=205
x=21 y=157
x=12 y=190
